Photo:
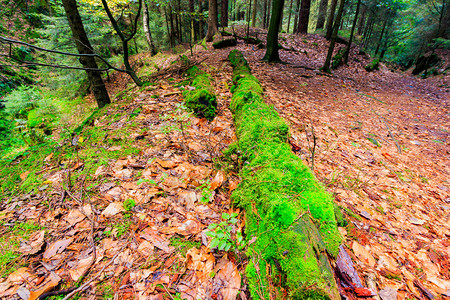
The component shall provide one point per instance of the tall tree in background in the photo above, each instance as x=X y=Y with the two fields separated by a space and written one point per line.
x=224 y=13
x=297 y=9
x=84 y=47
x=337 y=22
x=330 y=20
x=272 y=36
x=255 y=7
x=322 y=14
x=347 y=50
x=125 y=40
x=147 y=32
x=213 y=23
x=303 y=21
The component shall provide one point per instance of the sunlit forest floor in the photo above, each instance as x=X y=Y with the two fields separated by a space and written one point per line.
x=133 y=185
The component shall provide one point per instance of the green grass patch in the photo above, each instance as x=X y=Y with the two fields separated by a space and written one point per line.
x=10 y=239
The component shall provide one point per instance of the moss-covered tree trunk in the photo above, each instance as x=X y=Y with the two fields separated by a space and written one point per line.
x=282 y=201
x=272 y=36
x=84 y=47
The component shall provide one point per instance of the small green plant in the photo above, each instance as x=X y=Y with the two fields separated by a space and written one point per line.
x=129 y=204
x=222 y=234
x=206 y=192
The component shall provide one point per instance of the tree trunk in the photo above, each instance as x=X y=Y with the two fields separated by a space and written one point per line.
x=269 y=5
x=272 y=35
x=322 y=14
x=347 y=50
x=264 y=14
x=84 y=47
x=125 y=40
x=361 y=20
x=303 y=21
x=147 y=32
x=326 y=66
x=297 y=9
x=255 y=7
x=224 y=13
x=212 y=20
x=381 y=37
x=289 y=18
x=330 y=20
x=200 y=20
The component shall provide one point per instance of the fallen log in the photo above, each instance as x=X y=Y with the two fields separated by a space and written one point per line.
x=225 y=43
x=289 y=216
x=202 y=100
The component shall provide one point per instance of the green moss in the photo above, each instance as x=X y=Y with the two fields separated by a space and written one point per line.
x=287 y=209
x=202 y=101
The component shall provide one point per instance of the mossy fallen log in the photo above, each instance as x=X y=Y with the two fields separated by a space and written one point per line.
x=288 y=212
x=202 y=100
x=373 y=65
x=230 y=42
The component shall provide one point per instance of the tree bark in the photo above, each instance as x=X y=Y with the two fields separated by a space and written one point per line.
x=255 y=7
x=322 y=14
x=269 y=5
x=147 y=32
x=212 y=20
x=326 y=66
x=264 y=14
x=224 y=13
x=289 y=18
x=330 y=20
x=272 y=36
x=347 y=50
x=84 y=47
x=381 y=36
x=361 y=20
x=297 y=9
x=305 y=8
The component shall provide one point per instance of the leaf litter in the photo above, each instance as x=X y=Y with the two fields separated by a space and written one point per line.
x=370 y=129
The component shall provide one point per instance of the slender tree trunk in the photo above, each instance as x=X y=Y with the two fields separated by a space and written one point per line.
x=361 y=20
x=147 y=32
x=269 y=7
x=330 y=20
x=326 y=66
x=84 y=47
x=125 y=40
x=264 y=14
x=381 y=36
x=322 y=14
x=191 y=20
x=224 y=13
x=347 y=50
x=213 y=26
x=272 y=36
x=305 y=8
x=297 y=10
x=200 y=19
x=255 y=7
x=289 y=18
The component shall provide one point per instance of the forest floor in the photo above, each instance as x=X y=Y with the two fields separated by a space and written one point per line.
x=144 y=180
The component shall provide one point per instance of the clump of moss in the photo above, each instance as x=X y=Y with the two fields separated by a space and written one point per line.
x=374 y=65
x=202 y=101
x=287 y=210
x=338 y=59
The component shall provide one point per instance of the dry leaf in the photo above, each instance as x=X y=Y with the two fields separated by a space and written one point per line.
x=74 y=217
x=52 y=281
x=363 y=254
x=218 y=180
x=20 y=275
x=229 y=280
x=80 y=268
x=34 y=243
x=113 y=209
x=24 y=175
x=57 y=247
x=189 y=227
